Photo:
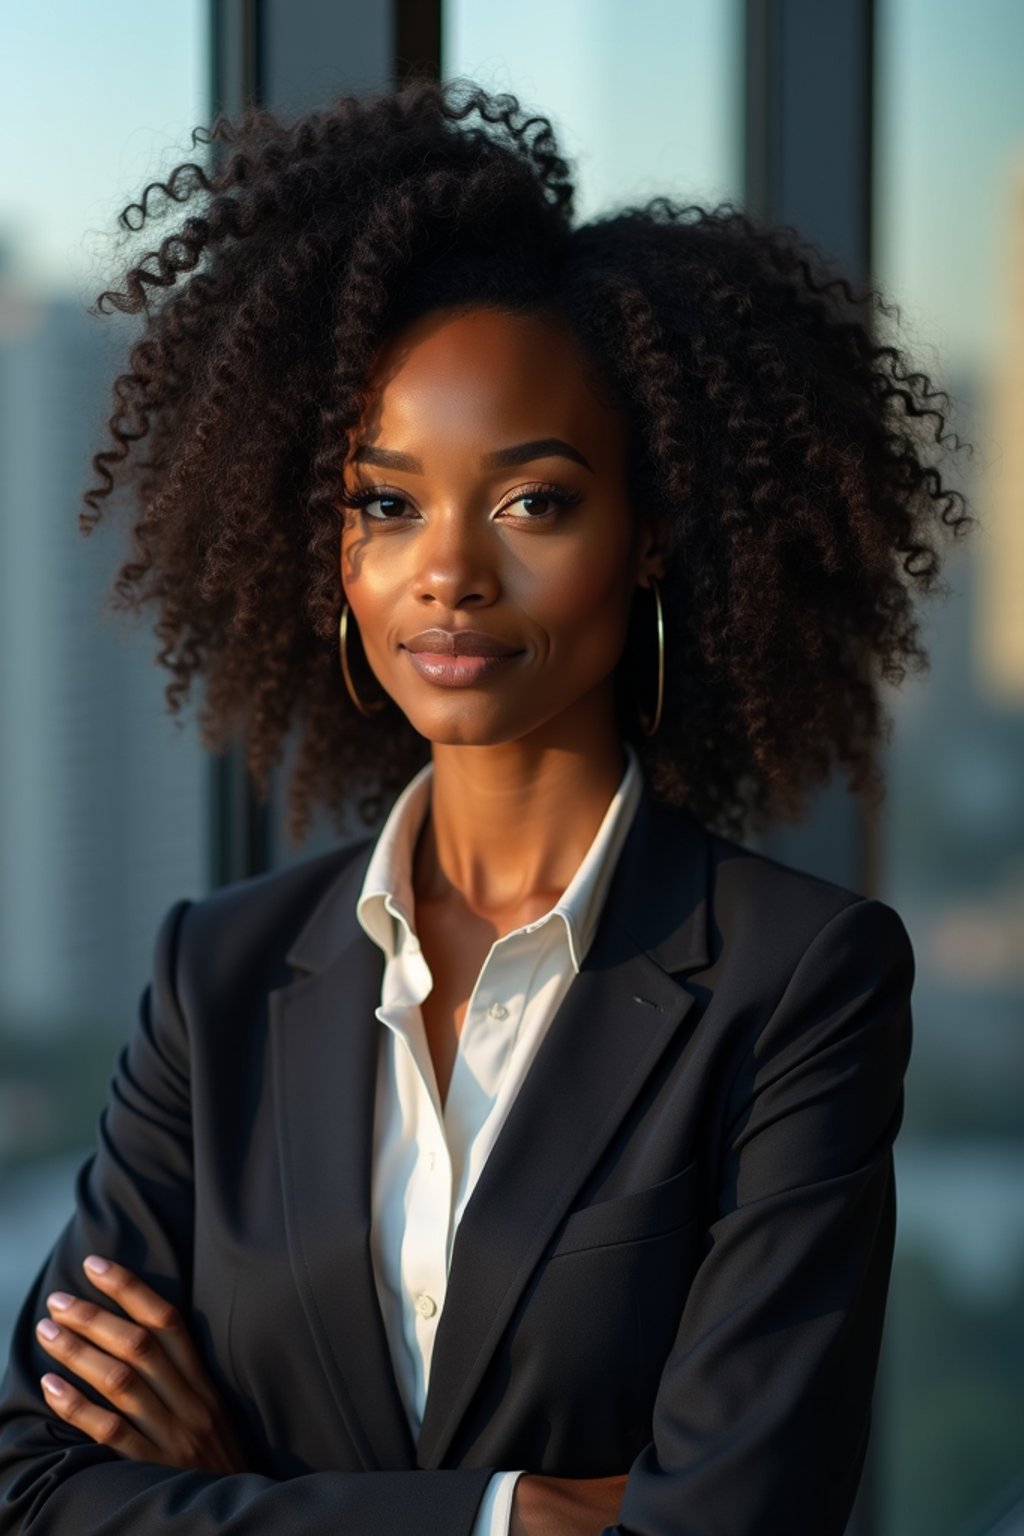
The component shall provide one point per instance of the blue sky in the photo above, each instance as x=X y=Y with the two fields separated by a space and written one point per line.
x=950 y=135
x=97 y=97
x=644 y=95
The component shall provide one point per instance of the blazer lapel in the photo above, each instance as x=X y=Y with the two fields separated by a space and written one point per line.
x=614 y=1024
x=324 y=1042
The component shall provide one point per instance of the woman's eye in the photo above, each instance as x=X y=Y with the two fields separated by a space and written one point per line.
x=532 y=504
x=391 y=506
x=536 y=504
x=364 y=500
x=539 y=502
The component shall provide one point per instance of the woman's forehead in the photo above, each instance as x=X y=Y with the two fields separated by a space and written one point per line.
x=481 y=374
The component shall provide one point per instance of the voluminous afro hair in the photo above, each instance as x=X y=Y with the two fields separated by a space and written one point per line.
x=789 y=450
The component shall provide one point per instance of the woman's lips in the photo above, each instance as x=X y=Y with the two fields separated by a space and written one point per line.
x=457 y=671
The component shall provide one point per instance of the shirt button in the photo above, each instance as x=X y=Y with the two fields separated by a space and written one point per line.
x=431 y=1160
x=426 y=1306
x=498 y=1011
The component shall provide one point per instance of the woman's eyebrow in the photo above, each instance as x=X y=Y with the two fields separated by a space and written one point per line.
x=540 y=448
x=503 y=458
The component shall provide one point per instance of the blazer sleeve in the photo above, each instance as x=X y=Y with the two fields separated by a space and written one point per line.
x=134 y=1201
x=761 y=1419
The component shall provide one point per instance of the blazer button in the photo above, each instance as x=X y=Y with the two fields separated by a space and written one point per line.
x=426 y=1306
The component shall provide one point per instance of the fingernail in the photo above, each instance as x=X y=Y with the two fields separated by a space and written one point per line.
x=48 y=1329
x=98 y=1266
x=59 y=1300
x=52 y=1384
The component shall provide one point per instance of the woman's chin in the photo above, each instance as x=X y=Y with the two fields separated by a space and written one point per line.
x=469 y=734
x=467 y=722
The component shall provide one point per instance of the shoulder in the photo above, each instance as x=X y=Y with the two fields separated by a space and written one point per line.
x=238 y=936
x=759 y=905
x=799 y=969
x=797 y=920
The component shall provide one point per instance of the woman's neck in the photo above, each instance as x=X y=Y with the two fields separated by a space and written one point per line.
x=513 y=821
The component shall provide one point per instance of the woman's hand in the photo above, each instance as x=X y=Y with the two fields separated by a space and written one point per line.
x=145 y=1365
x=564 y=1506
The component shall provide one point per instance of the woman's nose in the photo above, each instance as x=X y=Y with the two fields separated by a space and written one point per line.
x=455 y=563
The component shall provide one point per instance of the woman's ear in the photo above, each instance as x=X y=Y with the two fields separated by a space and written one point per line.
x=652 y=559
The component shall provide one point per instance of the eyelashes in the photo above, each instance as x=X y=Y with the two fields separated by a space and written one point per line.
x=361 y=500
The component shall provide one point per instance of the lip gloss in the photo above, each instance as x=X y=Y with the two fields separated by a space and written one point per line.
x=457 y=671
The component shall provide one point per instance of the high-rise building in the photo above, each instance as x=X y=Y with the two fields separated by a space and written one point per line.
x=1000 y=626
x=102 y=797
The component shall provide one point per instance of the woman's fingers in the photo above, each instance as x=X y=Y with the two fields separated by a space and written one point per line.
x=118 y=1432
x=151 y=1311
x=98 y=1423
x=127 y=1341
x=118 y=1380
x=145 y=1430
x=146 y=1366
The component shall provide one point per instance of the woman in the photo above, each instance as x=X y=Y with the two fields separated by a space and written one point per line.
x=528 y=1166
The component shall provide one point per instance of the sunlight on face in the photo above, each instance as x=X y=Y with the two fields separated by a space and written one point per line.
x=486 y=490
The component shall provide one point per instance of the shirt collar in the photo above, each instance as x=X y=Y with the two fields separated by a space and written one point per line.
x=386 y=907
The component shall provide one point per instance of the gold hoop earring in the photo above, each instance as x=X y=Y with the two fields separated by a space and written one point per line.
x=364 y=709
x=649 y=729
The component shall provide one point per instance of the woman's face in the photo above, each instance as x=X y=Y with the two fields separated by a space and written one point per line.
x=493 y=489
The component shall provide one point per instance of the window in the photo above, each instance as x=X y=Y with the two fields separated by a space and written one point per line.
x=645 y=99
x=949 y=247
x=102 y=798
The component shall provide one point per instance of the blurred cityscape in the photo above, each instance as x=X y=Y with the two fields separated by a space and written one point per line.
x=102 y=798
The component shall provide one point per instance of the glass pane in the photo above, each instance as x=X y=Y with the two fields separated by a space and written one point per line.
x=950 y=248
x=102 y=797
x=590 y=65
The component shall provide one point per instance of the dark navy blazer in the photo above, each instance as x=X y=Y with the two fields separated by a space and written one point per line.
x=675 y=1263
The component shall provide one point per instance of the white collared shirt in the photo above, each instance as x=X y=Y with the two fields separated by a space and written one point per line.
x=427 y=1158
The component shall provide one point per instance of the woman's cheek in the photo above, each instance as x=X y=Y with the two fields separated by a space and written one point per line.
x=584 y=593
x=371 y=586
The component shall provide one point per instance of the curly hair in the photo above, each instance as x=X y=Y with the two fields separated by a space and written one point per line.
x=790 y=451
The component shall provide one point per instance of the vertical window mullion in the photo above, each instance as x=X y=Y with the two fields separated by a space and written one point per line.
x=808 y=164
x=239 y=826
